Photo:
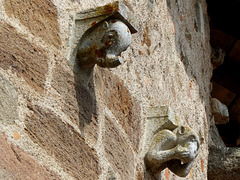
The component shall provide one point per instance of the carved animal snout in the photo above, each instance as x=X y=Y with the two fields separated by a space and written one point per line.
x=110 y=61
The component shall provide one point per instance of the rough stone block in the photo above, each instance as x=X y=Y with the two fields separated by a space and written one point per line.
x=123 y=105
x=217 y=57
x=223 y=163
x=220 y=112
x=16 y=164
x=27 y=59
x=214 y=137
x=61 y=141
x=8 y=102
x=118 y=151
x=39 y=16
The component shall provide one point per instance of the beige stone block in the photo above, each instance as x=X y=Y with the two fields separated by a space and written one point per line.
x=8 y=102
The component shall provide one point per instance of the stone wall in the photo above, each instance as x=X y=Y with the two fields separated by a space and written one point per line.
x=53 y=127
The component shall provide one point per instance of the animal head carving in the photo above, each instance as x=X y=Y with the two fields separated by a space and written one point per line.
x=188 y=139
x=104 y=44
x=176 y=150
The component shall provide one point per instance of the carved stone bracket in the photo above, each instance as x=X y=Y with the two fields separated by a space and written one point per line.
x=100 y=35
x=219 y=111
x=169 y=144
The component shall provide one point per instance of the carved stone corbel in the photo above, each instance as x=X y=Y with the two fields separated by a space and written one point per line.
x=217 y=57
x=219 y=111
x=170 y=145
x=100 y=35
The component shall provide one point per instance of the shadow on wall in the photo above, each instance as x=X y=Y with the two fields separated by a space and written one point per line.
x=115 y=96
x=58 y=138
x=85 y=95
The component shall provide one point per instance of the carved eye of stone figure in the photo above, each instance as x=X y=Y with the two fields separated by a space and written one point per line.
x=186 y=137
x=109 y=38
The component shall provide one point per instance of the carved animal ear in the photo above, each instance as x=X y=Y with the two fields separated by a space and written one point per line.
x=105 y=25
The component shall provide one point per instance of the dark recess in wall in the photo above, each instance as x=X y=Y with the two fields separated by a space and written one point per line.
x=225 y=34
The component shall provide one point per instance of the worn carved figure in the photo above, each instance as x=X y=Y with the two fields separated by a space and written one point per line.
x=104 y=44
x=176 y=150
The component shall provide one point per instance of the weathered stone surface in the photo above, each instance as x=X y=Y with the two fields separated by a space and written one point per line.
x=220 y=112
x=146 y=38
x=27 y=59
x=16 y=164
x=8 y=102
x=79 y=102
x=118 y=151
x=110 y=174
x=140 y=173
x=63 y=142
x=124 y=107
x=39 y=16
x=223 y=163
x=4 y=175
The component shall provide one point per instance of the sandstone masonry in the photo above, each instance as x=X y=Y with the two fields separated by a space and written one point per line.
x=54 y=127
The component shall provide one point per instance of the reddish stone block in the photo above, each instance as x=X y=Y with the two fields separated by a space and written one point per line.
x=118 y=151
x=39 y=16
x=62 y=142
x=16 y=164
x=26 y=59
